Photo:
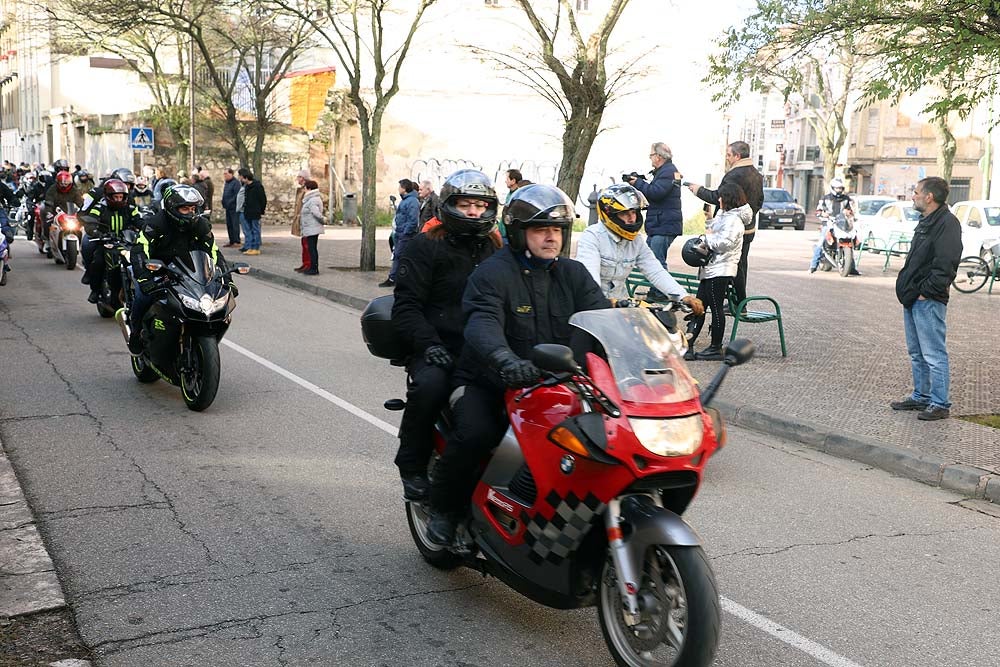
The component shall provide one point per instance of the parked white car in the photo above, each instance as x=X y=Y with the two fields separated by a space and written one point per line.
x=980 y=220
x=866 y=208
x=896 y=217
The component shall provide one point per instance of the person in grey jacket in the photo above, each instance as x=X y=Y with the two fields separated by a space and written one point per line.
x=311 y=221
x=724 y=240
x=612 y=249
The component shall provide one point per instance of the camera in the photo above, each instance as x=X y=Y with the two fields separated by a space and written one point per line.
x=686 y=183
x=636 y=175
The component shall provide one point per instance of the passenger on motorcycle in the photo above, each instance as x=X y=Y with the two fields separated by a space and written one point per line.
x=521 y=296
x=427 y=312
x=611 y=250
x=177 y=229
x=111 y=214
x=141 y=194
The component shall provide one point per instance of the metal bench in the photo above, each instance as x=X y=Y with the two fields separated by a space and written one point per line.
x=737 y=309
x=897 y=245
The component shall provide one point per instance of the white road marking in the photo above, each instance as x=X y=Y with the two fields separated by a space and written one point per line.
x=750 y=617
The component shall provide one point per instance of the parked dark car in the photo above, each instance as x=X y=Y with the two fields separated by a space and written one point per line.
x=780 y=210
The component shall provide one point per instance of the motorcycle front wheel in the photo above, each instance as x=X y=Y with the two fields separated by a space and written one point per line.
x=200 y=383
x=681 y=615
x=71 y=254
x=845 y=257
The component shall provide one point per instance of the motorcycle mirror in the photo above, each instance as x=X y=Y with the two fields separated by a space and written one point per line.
x=553 y=357
x=154 y=265
x=241 y=268
x=739 y=352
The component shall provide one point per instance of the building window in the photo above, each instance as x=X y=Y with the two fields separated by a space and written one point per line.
x=871 y=130
x=583 y=5
x=492 y=3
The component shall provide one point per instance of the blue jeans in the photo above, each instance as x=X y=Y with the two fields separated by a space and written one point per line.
x=246 y=231
x=660 y=244
x=140 y=304
x=924 y=323
x=817 y=253
x=251 y=233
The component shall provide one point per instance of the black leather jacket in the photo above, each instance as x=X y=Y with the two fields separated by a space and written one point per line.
x=931 y=264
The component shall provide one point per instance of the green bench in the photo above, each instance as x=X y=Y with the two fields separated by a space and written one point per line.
x=737 y=309
x=897 y=245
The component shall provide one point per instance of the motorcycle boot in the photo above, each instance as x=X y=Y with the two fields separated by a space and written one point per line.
x=441 y=528
x=95 y=294
x=711 y=353
x=416 y=486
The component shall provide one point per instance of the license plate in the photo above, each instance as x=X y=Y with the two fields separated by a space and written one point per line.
x=784 y=219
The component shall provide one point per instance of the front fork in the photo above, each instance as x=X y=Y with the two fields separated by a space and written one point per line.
x=627 y=574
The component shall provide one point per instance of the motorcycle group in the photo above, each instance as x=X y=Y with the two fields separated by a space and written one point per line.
x=148 y=256
x=552 y=435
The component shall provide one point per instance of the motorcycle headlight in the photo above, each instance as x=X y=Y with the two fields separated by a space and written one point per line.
x=206 y=304
x=71 y=224
x=680 y=436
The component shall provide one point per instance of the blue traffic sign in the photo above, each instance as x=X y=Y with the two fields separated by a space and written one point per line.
x=141 y=138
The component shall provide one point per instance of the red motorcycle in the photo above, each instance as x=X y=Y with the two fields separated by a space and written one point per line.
x=581 y=502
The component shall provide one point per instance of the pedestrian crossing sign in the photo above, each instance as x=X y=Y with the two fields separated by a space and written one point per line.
x=141 y=138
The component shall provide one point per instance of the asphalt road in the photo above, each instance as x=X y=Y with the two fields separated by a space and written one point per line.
x=269 y=529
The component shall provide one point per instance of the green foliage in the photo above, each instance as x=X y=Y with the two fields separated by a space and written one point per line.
x=694 y=225
x=383 y=218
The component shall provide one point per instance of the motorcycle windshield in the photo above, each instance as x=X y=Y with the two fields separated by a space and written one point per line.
x=196 y=269
x=646 y=365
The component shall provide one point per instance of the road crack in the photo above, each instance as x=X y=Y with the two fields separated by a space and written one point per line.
x=771 y=551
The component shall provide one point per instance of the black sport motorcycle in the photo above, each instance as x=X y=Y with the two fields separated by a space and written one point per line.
x=182 y=329
x=111 y=291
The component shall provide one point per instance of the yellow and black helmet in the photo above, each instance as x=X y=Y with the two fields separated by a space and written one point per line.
x=617 y=199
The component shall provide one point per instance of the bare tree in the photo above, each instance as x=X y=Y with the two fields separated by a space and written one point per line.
x=355 y=31
x=581 y=90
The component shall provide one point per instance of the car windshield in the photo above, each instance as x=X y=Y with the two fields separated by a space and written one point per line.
x=993 y=216
x=912 y=214
x=777 y=196
x=645 y=363
x=871 y=206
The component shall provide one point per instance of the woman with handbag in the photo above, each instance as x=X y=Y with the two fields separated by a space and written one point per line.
x=719 y=251
x=311 y=224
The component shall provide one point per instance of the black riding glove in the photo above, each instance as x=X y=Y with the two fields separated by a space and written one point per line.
x=515 y=371
x=438 y=355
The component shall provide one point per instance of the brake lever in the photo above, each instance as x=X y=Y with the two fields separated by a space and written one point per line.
x=552 y=380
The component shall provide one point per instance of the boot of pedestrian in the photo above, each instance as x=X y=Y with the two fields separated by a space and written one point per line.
x=710 y=353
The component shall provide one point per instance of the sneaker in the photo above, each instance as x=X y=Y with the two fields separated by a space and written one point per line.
x=416 y=487
x=908 y=403
x=812 y=269
x=253 y=251
x=933 y=413
x=93 y=296
x=388 y=282
x=441 y=528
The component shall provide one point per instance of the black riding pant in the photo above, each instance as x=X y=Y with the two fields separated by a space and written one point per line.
x=712 y=292
x=479 y=423
x=427 y=394
x=740 y=282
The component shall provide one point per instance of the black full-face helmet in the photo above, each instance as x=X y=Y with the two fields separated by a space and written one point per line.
x=60 y=165
x=537 y=206
x=125 y=175
x=695 y=252
x=177 y=196
x=468 y=184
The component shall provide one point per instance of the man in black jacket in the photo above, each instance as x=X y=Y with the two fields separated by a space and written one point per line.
x=743 y=173
x=254 y=205
x=664 y=219
x=427 y=312
x=922 y=287
x=521 y=296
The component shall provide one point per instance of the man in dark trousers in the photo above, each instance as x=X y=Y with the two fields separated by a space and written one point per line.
x=229 y=191
x=742 y=172
x=922 y=287
x=664 y=219
x=254 y=205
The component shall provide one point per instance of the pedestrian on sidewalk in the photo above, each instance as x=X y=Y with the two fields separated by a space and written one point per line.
x=311 y=224
x=922 y=287
x=300 y=191
x=429 y=202
x=206 y=179
x=406 y=225
x=743 y=172
x=254 y=205
x=664 y=219
x=230 y=190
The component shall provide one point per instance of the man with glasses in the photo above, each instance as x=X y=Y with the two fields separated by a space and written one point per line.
x=664 y=220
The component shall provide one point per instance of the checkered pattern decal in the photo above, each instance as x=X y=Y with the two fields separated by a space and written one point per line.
x=554 y=539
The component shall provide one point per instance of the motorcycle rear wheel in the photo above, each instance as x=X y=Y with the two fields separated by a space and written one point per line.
x=681 y=617
x=200 y=384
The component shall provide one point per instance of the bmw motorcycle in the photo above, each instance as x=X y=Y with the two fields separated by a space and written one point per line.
x=840 y=240
x=182 y=329
x=581 y=502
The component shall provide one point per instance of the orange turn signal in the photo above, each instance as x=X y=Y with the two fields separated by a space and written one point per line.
x=563 y=437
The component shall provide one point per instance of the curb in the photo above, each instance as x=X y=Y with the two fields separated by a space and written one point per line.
x=927 y=468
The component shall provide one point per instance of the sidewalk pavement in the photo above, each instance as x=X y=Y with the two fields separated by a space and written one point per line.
x=847 y=355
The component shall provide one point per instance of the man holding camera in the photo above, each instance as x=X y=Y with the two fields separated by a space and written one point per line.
x=664 y=220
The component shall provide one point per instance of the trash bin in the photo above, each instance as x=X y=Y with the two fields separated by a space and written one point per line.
x=350 y=208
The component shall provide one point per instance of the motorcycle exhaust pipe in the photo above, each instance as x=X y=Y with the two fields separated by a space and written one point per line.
x=122 y=320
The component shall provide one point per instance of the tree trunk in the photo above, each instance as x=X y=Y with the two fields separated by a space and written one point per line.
x=948 y=148
x=578 y=138
x=369 y=158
